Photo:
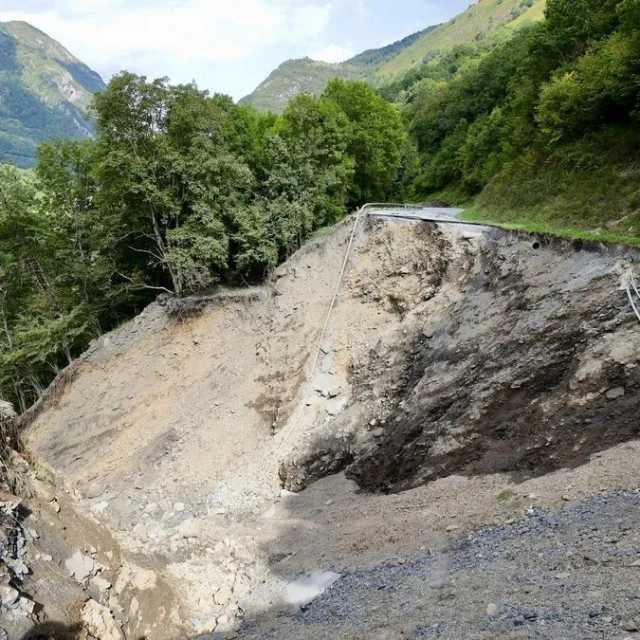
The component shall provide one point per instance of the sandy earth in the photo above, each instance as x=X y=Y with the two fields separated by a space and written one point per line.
x=173 y=436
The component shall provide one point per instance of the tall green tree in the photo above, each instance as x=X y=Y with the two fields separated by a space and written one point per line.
x=376 y=139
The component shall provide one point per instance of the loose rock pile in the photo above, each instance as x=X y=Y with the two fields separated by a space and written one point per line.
x=13 y=550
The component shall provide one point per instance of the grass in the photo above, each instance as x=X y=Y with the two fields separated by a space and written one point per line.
x=504 y=495
x=587 y=189
x=480 y=19
x=502 y=219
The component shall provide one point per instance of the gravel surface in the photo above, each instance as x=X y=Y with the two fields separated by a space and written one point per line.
x=568 y=573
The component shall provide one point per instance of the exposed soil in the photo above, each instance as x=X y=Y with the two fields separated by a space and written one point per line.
x=465 y=378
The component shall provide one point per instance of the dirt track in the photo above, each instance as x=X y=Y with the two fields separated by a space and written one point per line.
x=458 y=357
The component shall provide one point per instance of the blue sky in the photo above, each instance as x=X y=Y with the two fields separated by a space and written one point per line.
x=226 y=46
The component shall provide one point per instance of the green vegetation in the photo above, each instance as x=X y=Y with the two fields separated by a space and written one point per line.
x=543 y=130
x=44 y=93
x=482 y=26
x=179 y=191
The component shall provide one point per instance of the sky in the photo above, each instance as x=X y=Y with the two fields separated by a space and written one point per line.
x=226 y=46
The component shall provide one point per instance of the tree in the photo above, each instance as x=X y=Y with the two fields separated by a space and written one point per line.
x=376 y=139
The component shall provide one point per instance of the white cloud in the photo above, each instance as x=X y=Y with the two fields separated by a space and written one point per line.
x=333 y=53
x=178 y=38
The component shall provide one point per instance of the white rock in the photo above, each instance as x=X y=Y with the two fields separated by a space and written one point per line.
x=336 y=406
x=223 y=595
x=101 y=584
x=190 y=528
x=179 y=507
x=100 y=622
x=80 y=566
x=27 y=605
x=100 y=508
x=8 y=596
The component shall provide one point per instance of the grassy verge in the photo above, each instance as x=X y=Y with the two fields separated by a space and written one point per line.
x=516 y=222
x=587 y=189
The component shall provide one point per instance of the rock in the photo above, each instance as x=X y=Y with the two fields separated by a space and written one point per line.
x=636 y=563
x=492 y=609
x=334 y=392
x=190 y=528
x=100 y=622
x=179 y=507
x=80 y=566
x=288 y=494
x=95 y=489
x=630 y=625
x=100 y=508
x=614 y=394
x=8 y=596
x=55 y=505
x=452 y=527
x=100 y=584
x=3 y=634
x=27 y=605
x=223 y=595
x=336 y=406
x=304 y=590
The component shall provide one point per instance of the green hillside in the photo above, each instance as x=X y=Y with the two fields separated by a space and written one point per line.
x=487 y=19
x=488 y=22
x=44 y=92
x=295 y=77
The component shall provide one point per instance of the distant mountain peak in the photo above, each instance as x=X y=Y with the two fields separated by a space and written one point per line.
x=44 y=92
x=386 y=64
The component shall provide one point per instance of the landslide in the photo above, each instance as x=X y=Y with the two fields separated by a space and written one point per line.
x=456 y=357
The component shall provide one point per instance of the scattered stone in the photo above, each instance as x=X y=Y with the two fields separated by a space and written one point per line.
x=80 y=566
x=179 y=507
x=452 y=527
x=55 y=505
x=336 y=406
x=223 y=596
x=100 y=622
x=614 y=394
x=492 y=609
x=190 y=528
x=100 y=508
x=27 y=605
x=288 y=494
x=100 y=584
x=630 y=625
x=95 y=489
x=8 y=596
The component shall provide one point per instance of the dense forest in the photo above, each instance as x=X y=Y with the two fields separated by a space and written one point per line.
x=181 y=190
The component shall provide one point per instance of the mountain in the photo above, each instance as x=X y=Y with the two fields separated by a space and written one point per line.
x=304 y=75
x=44 y=92
x=485 y=21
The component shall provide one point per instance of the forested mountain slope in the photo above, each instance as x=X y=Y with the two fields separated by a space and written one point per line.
x=44 y=92
x=487 y=22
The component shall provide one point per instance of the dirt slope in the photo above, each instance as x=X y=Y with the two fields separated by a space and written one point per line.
x=460 y=357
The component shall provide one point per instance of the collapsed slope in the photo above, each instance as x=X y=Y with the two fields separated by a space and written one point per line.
x=457 y=356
